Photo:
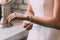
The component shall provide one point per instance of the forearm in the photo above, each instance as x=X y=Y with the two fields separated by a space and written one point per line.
x=42 y=21
x=47 y=22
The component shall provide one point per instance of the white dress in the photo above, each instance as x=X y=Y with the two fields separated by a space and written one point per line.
x=44 y=9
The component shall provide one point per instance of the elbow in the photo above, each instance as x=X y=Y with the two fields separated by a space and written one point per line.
x=54 y=23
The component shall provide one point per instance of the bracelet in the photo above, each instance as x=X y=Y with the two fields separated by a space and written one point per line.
x=30 y=18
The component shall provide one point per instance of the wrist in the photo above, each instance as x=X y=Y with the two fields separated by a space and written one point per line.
x=25 y=17
x=29 y=18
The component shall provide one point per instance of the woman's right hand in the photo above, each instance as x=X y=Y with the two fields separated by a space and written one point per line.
x=16 y=15
x=28 y=25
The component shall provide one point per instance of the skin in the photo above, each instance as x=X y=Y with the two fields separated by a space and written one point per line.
x=29 y=11
x=4 y=1
x=53 y=22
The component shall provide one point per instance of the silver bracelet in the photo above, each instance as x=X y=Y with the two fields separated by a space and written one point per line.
x=30 y=18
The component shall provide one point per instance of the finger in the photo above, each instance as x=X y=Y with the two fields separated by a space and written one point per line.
x=8 y=20
x=29 y=27
x=10 y=17
x=26 y=24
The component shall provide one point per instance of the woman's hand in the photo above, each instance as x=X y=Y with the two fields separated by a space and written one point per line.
x=28 y=25
x=15 y=15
